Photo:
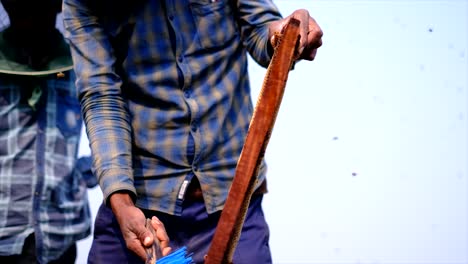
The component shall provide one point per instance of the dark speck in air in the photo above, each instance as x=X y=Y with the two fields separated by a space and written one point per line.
x=354 y=174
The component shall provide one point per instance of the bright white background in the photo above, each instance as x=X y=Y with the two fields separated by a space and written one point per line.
x=367 y=161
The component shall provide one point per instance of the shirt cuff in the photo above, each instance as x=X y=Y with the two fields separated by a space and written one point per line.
x=116 y=180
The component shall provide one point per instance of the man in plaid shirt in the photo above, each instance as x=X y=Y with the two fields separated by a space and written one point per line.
x=165 y=97
x=43 y=202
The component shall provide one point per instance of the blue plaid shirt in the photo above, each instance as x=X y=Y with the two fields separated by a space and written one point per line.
x=165 y=92
x=42 y=184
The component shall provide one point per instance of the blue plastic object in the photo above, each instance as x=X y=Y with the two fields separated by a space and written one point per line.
x=179 y=256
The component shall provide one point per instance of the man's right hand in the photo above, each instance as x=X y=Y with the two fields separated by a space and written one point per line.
x=132 y=224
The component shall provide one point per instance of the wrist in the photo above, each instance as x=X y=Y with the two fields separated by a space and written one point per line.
x=120 y=200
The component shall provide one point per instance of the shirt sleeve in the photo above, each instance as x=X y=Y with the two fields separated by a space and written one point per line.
x=253 y=19
x=99 y=88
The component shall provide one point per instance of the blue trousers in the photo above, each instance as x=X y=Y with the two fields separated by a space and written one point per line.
x=193 y=229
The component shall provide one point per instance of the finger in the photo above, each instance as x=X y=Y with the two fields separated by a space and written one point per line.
x=311 y=50
x=303 y=16
x=274 y=30
x=309 y=54
x=166 y=251
x=314 y=41
x=314 y=34
x=143 y=240
x=161 y=233
x=274 y=40
x=144 y=236
x=136 y=247
x=136 y=235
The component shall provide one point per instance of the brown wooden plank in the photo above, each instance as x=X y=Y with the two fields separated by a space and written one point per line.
x=232 y=217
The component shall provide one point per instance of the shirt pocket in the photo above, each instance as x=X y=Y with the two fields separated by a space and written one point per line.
x=68 y=115
x=215 y=23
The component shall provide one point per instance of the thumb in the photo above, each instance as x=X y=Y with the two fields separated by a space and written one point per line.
x=303 y=16
x=142 y=240
x=146 y=238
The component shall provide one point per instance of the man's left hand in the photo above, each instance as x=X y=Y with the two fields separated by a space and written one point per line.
x=311 y=34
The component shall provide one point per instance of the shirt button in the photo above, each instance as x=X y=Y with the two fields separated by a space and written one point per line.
x=180 y=58
x=171 y=17
x=187 y=93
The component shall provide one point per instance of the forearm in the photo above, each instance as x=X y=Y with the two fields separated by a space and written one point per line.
x=109 y=133
x=99 y=87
